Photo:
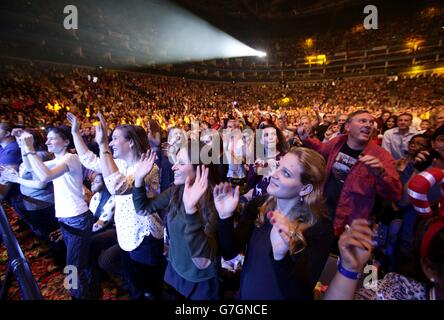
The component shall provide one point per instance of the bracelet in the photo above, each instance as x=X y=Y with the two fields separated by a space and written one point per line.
x=28 y=153
x=347 y=273
x=106 y=152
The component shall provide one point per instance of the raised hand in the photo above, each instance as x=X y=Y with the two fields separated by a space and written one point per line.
x=143 y=167
x=17 y=133
x=20 y=135
x=101 y=130
x=316 y=106
x=225 y=199
x=283 y=235
x=239 y=113
x=27 y=143
x=328 y=132
x=193 y=193
x=75 y=125
x=355 y=245
x=422 y=156
x=302 y=133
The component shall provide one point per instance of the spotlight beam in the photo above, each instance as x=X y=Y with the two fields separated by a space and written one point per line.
x=160 y=32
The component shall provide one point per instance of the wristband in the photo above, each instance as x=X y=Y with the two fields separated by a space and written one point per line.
x=347 y=273
x=106 y=152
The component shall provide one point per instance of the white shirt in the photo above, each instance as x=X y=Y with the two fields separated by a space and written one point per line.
x=68 y=188
x=397 y=144
x=131 y=228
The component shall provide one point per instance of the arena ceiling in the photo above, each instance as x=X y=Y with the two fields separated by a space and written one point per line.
x=282 y=18
x=264 y=9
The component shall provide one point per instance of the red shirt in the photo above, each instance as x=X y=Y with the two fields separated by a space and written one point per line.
x=359 y=191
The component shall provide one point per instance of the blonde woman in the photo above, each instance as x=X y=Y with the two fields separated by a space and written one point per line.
x=286 y=234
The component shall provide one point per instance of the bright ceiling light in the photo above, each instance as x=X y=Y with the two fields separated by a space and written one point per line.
x=261 y=54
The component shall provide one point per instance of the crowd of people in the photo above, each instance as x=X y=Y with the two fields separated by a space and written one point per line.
x=176 y=186
x=52 y=90
x=424 y=24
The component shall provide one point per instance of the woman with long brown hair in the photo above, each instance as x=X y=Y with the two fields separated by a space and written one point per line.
x=287 y=233
x=193 y=259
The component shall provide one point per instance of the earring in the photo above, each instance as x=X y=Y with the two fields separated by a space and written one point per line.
x=301 y=200
x=432 y=280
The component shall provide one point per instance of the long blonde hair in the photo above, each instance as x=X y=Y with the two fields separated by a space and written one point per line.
x=308 y=211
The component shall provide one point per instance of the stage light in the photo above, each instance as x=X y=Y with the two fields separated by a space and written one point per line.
x=261 y=54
